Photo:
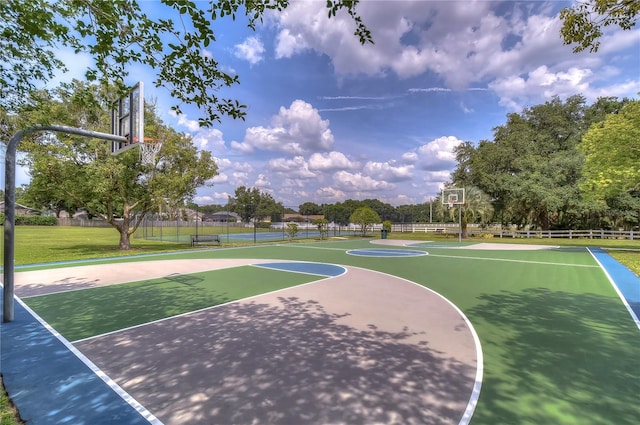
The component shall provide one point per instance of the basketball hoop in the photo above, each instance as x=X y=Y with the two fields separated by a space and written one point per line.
x=149 y=150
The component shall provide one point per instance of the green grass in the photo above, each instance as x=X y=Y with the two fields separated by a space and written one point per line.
x=82 y=314
x=8 y=413
x=44 y=244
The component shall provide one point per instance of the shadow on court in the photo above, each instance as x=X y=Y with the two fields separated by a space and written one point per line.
x=286 y=363
x=559 y=347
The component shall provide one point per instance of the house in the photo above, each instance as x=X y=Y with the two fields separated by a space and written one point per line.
x=21 y=210
x=299 y=218
x=222 y=216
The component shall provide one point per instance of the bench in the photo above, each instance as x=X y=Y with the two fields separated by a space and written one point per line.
x=196 y=239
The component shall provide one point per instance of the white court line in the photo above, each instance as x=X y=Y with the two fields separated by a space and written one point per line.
x=514 y=261
x=615 y=287
x=210 y=307
x=468 y=258
x=95 y=369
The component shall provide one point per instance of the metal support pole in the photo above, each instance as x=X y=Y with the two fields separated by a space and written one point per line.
x=10 y=202
x=460 y=222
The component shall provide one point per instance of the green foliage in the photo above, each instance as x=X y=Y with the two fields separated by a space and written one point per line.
x=118 y=34
x=253 y=204
x=365 y=218
x=8 y=413
x=584 y=21
x=34 y=220
x=323 y=227
x=79 y=172
x=477 y=208
x=532 y=167
x=386 y=225
x=310 y=208
x=612 y=150
x=291 y=230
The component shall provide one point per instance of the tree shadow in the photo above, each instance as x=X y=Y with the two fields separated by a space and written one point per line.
x=574 y=356
x=290 y=362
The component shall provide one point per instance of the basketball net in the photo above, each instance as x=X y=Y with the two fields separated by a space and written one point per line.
x=149 y=150
x=452 y=200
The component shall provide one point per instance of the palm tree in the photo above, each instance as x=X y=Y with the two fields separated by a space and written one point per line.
x=477 y=207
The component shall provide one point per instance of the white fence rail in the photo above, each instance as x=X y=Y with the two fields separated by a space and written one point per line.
x=497 y=231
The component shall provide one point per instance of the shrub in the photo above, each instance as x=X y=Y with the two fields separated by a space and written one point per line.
x=35 y=220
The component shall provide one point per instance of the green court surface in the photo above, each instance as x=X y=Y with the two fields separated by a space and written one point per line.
x=558 y=345
x=89 y=312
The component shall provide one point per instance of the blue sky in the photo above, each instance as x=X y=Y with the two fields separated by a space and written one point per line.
x=329 y=119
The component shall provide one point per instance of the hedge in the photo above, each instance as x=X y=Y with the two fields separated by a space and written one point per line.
x=33 y=220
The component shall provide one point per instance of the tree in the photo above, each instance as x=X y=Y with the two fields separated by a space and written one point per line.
x=583 y=23
x=310 y=208
x=254 y=204
x=365 y=218
x=476 y=208
x=292 y=230
x=117 y=188
x=119 y=34
x=323 y=227
x=612 y=156
x=532 y=167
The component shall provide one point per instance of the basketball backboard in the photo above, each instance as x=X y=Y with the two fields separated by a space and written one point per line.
x=127 y=119
x=453 y=196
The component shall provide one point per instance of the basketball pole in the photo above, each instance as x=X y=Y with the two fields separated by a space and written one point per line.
x=10 y=202
x=460 y=223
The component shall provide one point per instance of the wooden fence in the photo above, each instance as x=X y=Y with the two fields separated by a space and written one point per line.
x=500 y=232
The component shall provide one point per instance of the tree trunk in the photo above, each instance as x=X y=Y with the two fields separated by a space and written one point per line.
x=125 y=243
x=464 y=229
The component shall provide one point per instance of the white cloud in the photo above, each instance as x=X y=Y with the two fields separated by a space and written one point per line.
x=203 y=137
x=296 y=167
x=251 y=50
x=330 y=194
x=262 y=181
x=389 y=171
x=461 y=42
x=184 y=121
x=331 y=161
x=296 y=130
x=358 y=182
x=436 y=155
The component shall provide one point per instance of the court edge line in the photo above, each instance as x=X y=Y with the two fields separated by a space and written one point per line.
x=128 y=398
x=64 y=291
x=475 y=392
x=266 y=266
x=216 y=306
x=514 y=261
x=615 y=287
x=467 y=258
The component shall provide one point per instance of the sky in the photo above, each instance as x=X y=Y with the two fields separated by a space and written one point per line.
x=329 y=119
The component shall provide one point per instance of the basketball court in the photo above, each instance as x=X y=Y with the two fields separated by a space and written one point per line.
x=310 y=333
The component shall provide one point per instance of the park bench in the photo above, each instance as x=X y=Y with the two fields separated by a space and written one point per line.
x=196 y=239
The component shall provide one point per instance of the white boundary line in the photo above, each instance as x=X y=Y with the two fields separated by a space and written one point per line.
x=507 y=260
x=223 y=304
x=615 y=287
x=95 y=369
x=475 y=393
